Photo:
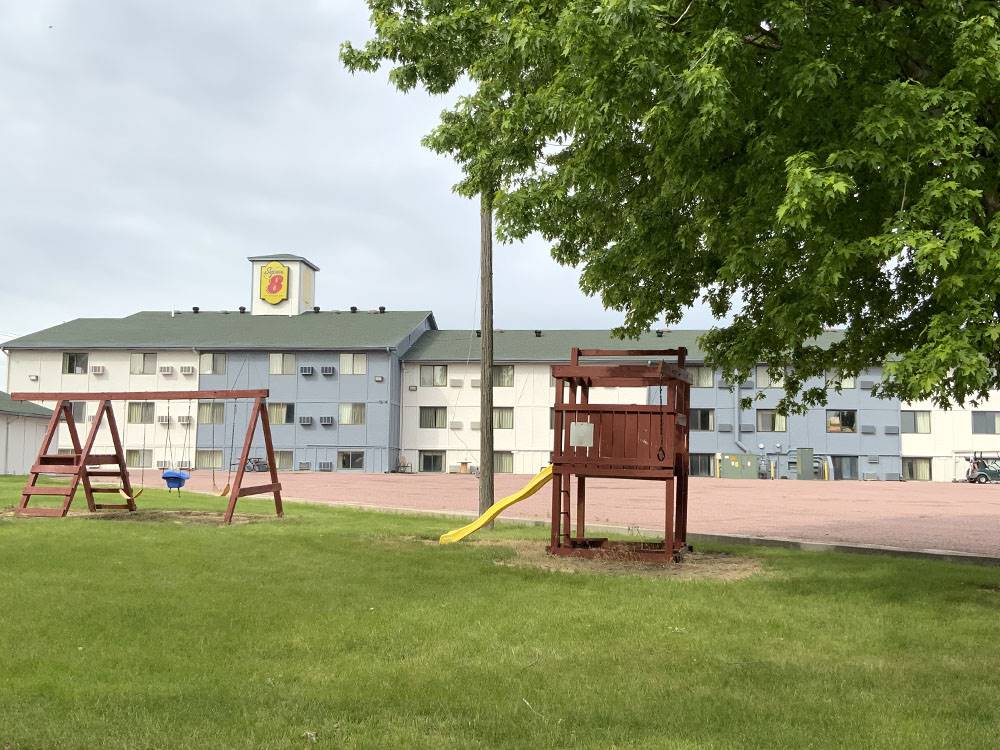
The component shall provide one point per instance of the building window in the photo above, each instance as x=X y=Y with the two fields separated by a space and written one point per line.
x=432 y=461
x=281 y=364
x=768 y=420
x=211 y=412
x=917 y=469
x=837 y=379
x=503 y=376
x=140 y=412
x=283 y=460
x=701 y=376
x=212 y=363
x=74 y=363
x=433 y=417
x=281 y=413
x=986 y=422
x=353 y=364
x=352 y=413
x=503 y=417
x=841 y=420
x=503 y=462
x=351 y=460
x=433 y=375
x=915 y=422
x=208 y=459
x=764 y=379
x=136 y=458
x=702 y=420
x=845 y=467
x=142 y=363
x=79 y=410
x=702 y=465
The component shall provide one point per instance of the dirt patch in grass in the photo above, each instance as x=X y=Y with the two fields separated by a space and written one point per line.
x=202 y=517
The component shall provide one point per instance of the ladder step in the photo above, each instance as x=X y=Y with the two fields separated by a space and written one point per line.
x=101 y=458
x=108 y=490
x=50 y=512
x=60 y=490
x=61 y=458
x=112 y=506
x=54 y=469
x=104 y=473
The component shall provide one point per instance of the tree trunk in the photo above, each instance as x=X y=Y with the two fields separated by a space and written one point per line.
x=486 y=357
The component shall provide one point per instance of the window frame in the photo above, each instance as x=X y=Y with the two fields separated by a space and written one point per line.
x=841 y=430
x=351 y=405
x=280 y=464
x=217 y=363
x=432 y=380
x=353 y=358
x=441 y=455
x=201 y=452
x=700 y=456
x=142 y=358
x=504 y=410
x=145 y=458
x=350 y=455
x=71 y=362
x=694 y=424
x=506 y=458
x=145 y=406
x=776 y=419
x=287 y=418
x=217 y=412
x=764 y=379
x=497 y=369
x=282 y=359
x=911 y=416
x=982 y=413
x=697 y=374
x=908 y=465
x=436 y=418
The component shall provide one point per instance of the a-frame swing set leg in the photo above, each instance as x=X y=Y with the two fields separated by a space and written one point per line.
x=259 y=411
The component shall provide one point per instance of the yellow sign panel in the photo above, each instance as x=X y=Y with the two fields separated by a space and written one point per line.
x=274 y=282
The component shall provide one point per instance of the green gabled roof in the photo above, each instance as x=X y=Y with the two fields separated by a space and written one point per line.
x=230 y=331
x=551 y=346
x=22 y=408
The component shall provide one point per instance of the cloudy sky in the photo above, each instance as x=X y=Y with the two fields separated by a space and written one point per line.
x=149 y=147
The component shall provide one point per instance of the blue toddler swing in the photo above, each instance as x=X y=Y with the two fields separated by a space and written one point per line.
x=175 y=478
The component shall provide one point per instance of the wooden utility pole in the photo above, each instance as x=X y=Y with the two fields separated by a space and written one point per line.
x=486 y=356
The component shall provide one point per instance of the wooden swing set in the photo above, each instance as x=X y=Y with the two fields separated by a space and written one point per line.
x=78 y=466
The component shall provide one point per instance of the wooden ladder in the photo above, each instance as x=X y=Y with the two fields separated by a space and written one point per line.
x=75 y=465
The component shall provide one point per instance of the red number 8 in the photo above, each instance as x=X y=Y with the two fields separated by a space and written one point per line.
x=274 y=286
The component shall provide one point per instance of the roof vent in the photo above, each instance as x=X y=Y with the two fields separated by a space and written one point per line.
x=195 y=310
x=538 y=334
x=479 y=334
x=243 y=309
x=381 y=308
x=316 y=308
x=659 y=334
x=354 y=308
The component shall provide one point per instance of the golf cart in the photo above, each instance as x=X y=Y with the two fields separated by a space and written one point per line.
x=983 y=470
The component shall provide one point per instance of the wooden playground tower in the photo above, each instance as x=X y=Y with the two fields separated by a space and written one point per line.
x=620 y=441
x=77 y=466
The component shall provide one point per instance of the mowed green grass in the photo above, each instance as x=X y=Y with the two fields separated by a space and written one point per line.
x=350 y=629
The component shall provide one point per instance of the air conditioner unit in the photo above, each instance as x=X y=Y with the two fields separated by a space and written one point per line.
x=870 y=476
x=475 y=383
x=307 y=370
x=166 y=369
x=162 y=464
x=326 y=465
x=328 y=370
x=184 y=419
x=305 y=465
x=185 y=464
x=455 y=425
x=453 y=469
x=97 y=369
x=456 y=382
x=187 y=369
x=305 y=420
x=327 y=421
x=163 y=419
x=873 y=459
x=474 y=425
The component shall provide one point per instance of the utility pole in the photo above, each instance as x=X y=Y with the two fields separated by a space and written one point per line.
x=486 y=356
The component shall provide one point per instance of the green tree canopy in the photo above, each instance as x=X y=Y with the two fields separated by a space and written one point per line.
x=800 y=166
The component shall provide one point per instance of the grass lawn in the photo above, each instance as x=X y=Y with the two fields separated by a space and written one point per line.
x=347 y=629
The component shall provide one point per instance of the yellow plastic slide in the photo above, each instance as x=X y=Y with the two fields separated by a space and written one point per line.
x=537 y=482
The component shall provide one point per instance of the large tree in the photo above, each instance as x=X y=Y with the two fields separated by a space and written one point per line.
x=800 y=166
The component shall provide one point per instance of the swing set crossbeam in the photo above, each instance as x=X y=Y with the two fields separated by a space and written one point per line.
x=75 y=467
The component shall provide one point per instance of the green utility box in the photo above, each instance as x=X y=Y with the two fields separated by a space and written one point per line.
x=738 y=466
x=804 y=463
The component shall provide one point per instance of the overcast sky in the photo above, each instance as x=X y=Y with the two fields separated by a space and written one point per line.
x=149 y=147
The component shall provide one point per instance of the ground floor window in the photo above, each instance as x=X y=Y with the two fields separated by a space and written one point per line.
x=503 y=462
x=432 y=461
x=283 y=460
x=348 y=460
x=845 y=467
x=138 y=458
x=703 y=464
x=917 y=469
x=208 y=459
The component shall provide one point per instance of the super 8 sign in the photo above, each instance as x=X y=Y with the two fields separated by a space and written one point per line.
x=274 y=282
